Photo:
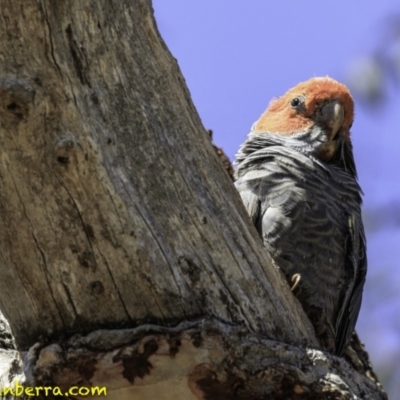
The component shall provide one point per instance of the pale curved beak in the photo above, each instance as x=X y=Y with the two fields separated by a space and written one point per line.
x=333 y=116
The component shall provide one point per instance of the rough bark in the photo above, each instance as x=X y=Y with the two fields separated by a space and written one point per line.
x=117 y=213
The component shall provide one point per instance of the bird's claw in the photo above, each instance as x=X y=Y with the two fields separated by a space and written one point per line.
x=295 y=279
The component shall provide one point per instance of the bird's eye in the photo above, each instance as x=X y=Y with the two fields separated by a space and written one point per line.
x=295 y=102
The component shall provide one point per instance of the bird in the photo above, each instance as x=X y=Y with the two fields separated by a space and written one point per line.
x=297 y=178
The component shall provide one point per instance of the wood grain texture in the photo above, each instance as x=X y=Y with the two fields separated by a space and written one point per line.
x=116 y=213
x=115 y=209
x=203 y=359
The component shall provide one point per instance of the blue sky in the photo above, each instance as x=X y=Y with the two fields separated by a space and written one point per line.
x=236 y=56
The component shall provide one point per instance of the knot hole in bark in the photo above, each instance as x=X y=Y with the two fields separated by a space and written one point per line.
x=65 y=150
x=190 y=269
x=16 y=99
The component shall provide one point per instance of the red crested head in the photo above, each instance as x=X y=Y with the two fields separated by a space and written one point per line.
x=297 y=109
x=321 y=102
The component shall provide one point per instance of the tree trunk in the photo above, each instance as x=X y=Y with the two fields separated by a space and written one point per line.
x=127 y=258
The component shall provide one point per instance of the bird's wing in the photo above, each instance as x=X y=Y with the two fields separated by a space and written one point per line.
x=356 y=261
x=250 y=198
x=265 y=191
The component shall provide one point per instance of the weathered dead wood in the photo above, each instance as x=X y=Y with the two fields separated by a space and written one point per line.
x=115 y=209
x=213 y=360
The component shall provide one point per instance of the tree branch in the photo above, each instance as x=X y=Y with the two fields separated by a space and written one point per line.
x=117 y=213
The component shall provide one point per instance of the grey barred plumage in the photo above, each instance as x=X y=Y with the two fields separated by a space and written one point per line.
x=308 y=213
